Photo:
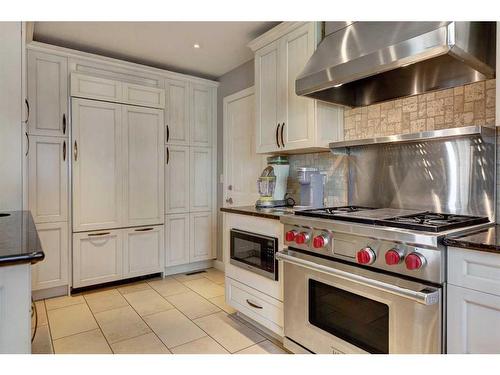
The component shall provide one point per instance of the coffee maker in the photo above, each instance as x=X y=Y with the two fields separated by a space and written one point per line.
x=312 y=183
x=272 y=183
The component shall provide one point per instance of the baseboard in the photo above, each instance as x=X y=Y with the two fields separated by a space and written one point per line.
x=218 y=264
x=50 y=292
x=191 y=267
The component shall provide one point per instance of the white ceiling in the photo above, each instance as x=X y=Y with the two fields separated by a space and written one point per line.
x=166 y=45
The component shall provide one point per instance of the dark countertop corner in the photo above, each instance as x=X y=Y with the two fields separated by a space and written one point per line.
x=19 y=241
x=483 y=240
x=266 y=213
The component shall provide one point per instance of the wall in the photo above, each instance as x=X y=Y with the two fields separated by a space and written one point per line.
x=236 y=80
x=11 y=135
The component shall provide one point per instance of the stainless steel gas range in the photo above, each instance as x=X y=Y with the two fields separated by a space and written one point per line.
x=363 y=280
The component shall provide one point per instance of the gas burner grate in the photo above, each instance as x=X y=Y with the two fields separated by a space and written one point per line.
x=433 y=222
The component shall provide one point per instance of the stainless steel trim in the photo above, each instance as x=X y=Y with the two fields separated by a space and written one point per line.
x=258 y=271
x=418 y=137
x=426 y=298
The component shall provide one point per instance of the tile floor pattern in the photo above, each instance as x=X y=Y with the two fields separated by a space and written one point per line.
x=180 y=314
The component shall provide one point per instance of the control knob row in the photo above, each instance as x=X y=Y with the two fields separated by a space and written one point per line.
x=301 y=238
x=413 y=261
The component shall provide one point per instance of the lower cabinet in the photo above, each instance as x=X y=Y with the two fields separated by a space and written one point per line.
x=53 y=270
x=143 y=251
x=473 y=322
x=188 y=238
x=110 y=255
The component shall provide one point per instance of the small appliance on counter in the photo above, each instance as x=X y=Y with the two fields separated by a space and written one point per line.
x=272 y=183
x=312 y=183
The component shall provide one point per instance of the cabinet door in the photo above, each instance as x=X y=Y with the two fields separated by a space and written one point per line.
x=143 y=251
x=97 y=165
x=266 y=98
x=473 y=322
x=177 y=179
x=296 y=112
x=97 y=257
x=53 y=270
x=48 y=179
x=91 y=87
x=176 y=239
x=47 y=94
x=201 y=115
x=143 y=148
x=177 y=113
x=200 y=160
x=143 y=95
x=200 y=228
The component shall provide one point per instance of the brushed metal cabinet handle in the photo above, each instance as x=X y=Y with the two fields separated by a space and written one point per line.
x=75 y=151
x=168 y=155
x=143 y=229
x=168 y=133
x=253 y=304
x=277 y=135
x=28 y=110
x=98 y=234
x=64 y=150
x=28 y=146
x=282 y=140
x=64 y=123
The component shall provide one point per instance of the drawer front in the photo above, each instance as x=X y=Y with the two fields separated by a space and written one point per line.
x=474 y=270
x=256 y=305
x=143 y=251
x=85 y=86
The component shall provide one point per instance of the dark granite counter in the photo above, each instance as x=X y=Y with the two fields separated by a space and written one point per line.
x=19 y=242
x=266 y=213
x=484 y=240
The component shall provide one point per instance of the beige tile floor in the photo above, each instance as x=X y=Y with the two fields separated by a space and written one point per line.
x=180 y=314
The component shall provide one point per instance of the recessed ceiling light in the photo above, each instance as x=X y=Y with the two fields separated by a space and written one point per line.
x=196 y=45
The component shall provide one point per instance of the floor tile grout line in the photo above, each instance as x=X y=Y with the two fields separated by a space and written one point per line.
x=48 y=326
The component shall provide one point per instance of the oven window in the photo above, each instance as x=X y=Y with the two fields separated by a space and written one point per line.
x=358 y=320
x=254 y=251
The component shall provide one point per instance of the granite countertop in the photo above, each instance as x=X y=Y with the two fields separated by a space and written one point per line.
x=19 y=242
x=483 y=240
x=267 y=213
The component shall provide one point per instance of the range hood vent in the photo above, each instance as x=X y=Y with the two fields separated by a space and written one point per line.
x=370 y=62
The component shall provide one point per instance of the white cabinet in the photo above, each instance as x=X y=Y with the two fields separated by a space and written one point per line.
x=97 y=257
x=201 y=118
x=176 y=239
x=143 y=149
x=177 y=112
x=143 y=251
x=47 y=94
x=53 y=270
x=201 y=179
x=473 y=302
x=48 y=179
x=177 y=179
x=473 y=322
x=284 y=120
x=146 y=96
x=200 y=224
x=97 y=165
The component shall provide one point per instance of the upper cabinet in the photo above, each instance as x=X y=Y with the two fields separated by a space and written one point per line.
x=286 y=122
x=201 y=115
x=177 y=112
x=47 y=94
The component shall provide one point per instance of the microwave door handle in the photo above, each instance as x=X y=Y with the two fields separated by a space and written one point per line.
x=429 y=298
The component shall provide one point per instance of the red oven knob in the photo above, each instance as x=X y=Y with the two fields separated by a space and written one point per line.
x=290 y=235
x=302 y=238
x=320 y=241
x=393 y=257
x=414 y=261
x=365 y=256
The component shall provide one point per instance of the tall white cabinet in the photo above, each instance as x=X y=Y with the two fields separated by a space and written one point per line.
x=286 y=122
x=121 y=168
x=189 y=174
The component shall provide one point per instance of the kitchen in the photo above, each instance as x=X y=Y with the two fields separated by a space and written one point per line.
x=331 y=190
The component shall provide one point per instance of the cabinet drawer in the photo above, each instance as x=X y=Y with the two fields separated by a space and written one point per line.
x=474 y=270
x=85 y=86
x=143 y=95
x=256 y=305
x=143 y=251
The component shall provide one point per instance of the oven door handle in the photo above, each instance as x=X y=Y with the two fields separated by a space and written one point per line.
x=426 y=298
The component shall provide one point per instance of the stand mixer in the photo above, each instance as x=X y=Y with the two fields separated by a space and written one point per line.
x=272 y=183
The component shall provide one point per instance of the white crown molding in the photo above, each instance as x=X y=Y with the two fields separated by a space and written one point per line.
x=273 y=34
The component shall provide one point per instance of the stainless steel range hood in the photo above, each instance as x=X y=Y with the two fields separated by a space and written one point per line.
x=369 y=62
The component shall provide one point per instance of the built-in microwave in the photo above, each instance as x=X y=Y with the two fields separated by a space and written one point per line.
x=254 y=252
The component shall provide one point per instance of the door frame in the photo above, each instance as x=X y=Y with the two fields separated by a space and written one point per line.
x=227 y=99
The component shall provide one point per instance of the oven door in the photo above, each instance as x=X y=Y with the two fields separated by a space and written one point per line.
x=332 y=307
x=254 y=252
